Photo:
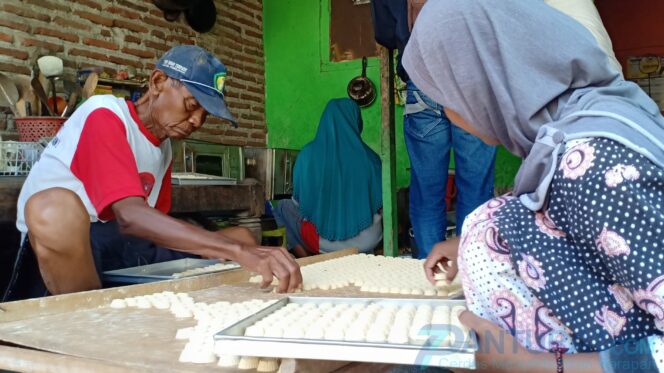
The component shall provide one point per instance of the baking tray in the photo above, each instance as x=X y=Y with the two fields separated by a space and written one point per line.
x=233 y=341
x=192 y=178
x=158 y=271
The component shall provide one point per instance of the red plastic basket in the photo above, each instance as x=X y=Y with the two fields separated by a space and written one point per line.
x=34 y=128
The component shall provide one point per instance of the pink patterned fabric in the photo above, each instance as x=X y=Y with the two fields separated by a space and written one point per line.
x=577 y=161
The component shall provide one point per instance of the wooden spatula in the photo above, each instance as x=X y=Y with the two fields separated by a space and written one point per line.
x=38 y=88
x=90 y=85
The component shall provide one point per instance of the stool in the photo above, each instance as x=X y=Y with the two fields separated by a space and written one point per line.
x=279 y=233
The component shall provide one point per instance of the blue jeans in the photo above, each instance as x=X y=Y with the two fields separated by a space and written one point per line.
x=430 y=136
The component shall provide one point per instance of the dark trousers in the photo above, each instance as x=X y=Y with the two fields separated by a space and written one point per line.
x=110 y=250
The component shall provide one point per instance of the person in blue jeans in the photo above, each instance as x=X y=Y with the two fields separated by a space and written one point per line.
x=430 y=136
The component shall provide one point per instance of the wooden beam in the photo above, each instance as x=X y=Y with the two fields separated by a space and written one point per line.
x=388 y=153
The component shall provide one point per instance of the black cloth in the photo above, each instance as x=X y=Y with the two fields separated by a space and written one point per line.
x=390 y=22
x=110 y=250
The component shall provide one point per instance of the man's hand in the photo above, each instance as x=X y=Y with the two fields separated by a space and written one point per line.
x=269 y=262
x=445 y=253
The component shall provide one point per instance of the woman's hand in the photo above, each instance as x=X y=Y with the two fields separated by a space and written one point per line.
x=499 y=352
x=445 y=253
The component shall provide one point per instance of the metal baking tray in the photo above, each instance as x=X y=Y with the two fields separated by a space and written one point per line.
x=192 y=178
x=233 y=341
x=158 y=271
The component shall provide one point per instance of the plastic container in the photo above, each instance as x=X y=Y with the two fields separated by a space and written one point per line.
x=17 y=158
x=34 y=128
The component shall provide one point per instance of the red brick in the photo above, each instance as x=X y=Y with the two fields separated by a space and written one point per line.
x=57 y=34
x=48 y=5
x=87 y=53
x=44 y=44
x=207 y=128
x=129 y=14
x=21 y=55
x=132 y=5
x=66 y=22
x=101 y=44
x=94 y=18
x=159 y=46
x=150 y=66
x=256 y=144
x=158 y=34
x=234 y=141
x=106 y=33
x=133 y=39
x=255 y=90
x=124 y=61
x=18 y=69
x=257 y=135
x=157 y=13
x=90 y=4
x=251 y=97
x=6 y=37
x=180 y=39
x=14 y=25
x=253 y=7
x=254 y=34
x=235 y=133
x=159 y=22
x=27 y=13
x=133 y=26
x=138 y=52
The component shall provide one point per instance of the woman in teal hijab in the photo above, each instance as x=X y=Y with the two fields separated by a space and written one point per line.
x=337 y=187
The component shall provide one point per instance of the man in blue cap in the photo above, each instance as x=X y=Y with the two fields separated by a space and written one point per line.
x=99 y=196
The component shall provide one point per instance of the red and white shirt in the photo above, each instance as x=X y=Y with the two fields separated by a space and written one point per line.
x=103 y=153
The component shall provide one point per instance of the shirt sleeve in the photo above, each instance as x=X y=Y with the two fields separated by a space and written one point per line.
x=164 y=200
x=104 y=162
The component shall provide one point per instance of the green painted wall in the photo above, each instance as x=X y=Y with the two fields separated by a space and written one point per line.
x=300 y=81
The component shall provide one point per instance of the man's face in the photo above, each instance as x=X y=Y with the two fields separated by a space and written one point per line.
x=176 y=111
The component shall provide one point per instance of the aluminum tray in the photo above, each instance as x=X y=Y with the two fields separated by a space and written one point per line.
x=158 y=271
x=191 y=178
x=233 y=341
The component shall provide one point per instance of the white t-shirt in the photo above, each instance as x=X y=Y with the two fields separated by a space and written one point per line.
x=103 y=153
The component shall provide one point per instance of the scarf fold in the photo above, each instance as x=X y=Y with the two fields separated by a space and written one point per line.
x=527 y=75
x=337 y=177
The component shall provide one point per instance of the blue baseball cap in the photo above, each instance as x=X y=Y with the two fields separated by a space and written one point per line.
x=202 y=73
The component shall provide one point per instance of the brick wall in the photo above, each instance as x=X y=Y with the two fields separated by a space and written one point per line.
x=118 y=33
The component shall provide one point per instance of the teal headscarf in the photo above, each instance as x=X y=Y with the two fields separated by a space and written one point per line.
x=337 y=177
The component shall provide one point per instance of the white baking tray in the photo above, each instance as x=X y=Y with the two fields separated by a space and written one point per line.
x=233 y=341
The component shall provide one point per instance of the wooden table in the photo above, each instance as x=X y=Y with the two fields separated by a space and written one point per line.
x=79 y=332
x=244 y=198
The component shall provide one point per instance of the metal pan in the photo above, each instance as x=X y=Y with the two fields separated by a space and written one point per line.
x=158 y=271
x=233 y=341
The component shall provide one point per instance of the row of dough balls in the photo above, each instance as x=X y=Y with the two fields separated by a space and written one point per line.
x=211 y=318
x=360 y=322
x=208 y=269
x=374 y=274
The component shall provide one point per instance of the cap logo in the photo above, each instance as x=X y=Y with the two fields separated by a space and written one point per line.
x=219 y=81
x=175 y=66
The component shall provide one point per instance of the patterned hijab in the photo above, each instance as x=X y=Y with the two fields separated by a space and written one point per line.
x=337 y=177
x=531 y=77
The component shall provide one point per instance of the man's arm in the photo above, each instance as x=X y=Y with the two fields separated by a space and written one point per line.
x=137 y=219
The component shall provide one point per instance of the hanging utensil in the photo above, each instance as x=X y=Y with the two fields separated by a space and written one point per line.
x=52 y=67
x=90 y=85
x=38 y=89
x=361 y=89
x=8 y=94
